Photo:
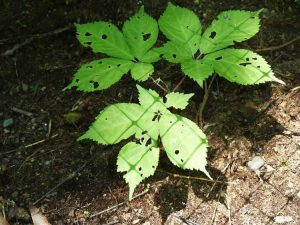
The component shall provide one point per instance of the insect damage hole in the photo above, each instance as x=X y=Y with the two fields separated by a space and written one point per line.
x=174 y=56
x=146 y=36
x=219 y=58
x=245 y=64
x=176 y=152
x=104 y=36
x=212 y=35
x=96 y=84
x=87 y=34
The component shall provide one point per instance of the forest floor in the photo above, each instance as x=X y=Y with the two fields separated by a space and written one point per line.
x=72 y=183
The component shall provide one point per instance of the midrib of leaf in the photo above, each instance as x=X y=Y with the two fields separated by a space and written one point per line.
x=132 y=166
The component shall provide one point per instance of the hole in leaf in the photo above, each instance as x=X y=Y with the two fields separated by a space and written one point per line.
x=91 y=81
x=141 y=175
x=109 y=67
x=100 y=62
x=212 y=35
x=146 y=36
x=88 y=42
x=245 y=64
x=88 y=34
x=161 y=55
x=176 y=152
x=144 y=132
x=258 y=66
x=153 y=167
x=247 y=59
x=140 y=168
x=219 y=58
x=142 y=139
x=254 y=58
x=252 y=17
x=96 y=84
x=148 y=142
x=104 y=36
x=181 y=160
x=89 y=67
x=118 y=65
x=135 y=59
x=77 y=80
x=164 y=99
x=174 y=56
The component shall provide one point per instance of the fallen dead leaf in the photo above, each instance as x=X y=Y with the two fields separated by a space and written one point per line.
x=37 y=217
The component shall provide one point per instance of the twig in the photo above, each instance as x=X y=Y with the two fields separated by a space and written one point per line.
x=16 y=47
x=189 y=177
x=118 y=205
x=41 y=141
x=277 y=47
x=178 y=85
x=21 y=111
x=161 y=87
x=199 y=116
x=49 y=128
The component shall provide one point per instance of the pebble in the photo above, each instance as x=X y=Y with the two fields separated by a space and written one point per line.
x=283 y=219
x=8 y=122
x=255 y=163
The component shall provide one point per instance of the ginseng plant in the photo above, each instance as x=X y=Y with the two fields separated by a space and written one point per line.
x=152 y=122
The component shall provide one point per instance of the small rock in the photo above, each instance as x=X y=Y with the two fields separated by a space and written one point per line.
x=146 y=223
x=255 y=163
x=24 y=87
x=283 y=219
x=136 y=221
x=8 y=122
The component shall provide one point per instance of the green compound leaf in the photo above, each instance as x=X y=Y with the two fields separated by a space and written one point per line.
x=242 y=66
x=182 y=26
x=185 y=144
x=131 y=51
x=198 y=70
x=120 y=121
x=177 y=100
x=141 y=33
x=175 y=52
x=142 y=71
x=229 y=27
x=105 y=38
x=139 y=162
x=100 y=74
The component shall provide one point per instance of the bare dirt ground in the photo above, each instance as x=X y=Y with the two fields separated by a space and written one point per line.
x=75 y=183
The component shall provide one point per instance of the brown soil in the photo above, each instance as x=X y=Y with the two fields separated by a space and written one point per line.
x=240 y=121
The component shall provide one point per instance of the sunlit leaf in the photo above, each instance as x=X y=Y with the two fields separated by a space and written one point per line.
x=139 y=162
x=229 y=27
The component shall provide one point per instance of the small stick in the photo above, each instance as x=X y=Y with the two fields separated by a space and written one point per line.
x=277 y=47
x=161 y=87
x=16 y=47
x=41 y=141
x=178 y=85
x=118 y=205
x=21 y=111
x=49 y=128
x=189 y=177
